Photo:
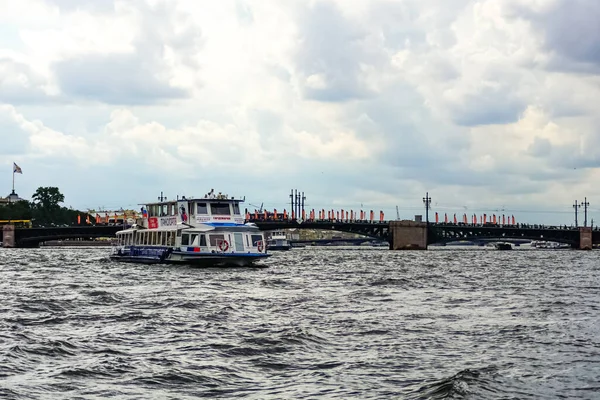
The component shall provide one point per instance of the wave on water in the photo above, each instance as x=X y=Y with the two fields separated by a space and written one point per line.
x=484 y=383
x=318 y=323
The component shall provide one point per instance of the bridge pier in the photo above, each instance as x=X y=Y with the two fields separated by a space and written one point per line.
x=8 y=236
x=408 y=235
x=585 y=238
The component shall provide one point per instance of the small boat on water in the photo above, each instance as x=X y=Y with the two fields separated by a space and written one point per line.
x=206 y=232
x=503 y=246
x=278 y=241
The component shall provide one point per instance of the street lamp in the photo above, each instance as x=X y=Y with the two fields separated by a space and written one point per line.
x=427 y=202
x=585 y=205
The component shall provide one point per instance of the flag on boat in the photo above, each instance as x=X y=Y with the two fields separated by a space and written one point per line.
x=17 y=169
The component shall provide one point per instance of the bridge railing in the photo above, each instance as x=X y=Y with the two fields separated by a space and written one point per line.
x=313 y=217
x=516 y=226
x=310 y=220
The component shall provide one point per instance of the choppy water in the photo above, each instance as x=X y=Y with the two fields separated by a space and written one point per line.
x=317 y=323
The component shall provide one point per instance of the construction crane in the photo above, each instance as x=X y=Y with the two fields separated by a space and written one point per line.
x=255 y=206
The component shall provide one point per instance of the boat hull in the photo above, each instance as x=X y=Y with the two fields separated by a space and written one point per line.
x=170 y=256
x=216 y=259
x=279 y=247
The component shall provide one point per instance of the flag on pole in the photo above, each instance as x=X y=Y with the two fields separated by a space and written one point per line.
x=17 y=169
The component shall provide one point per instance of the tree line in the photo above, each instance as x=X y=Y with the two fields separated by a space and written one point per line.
x=44 y=209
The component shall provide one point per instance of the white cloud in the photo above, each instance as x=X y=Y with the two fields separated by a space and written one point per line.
x=483 y=103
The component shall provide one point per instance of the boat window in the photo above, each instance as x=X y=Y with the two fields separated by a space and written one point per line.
x=220 y=209
x=159 y=238
x=191 y=208
x=236 y=208
x=202 y=240
x=215 y=240
x=256 y=239
x=178 y=232
x=170 y=238
x=185 y=239
x=194 y=239
x=239 y=241
x=202 y=209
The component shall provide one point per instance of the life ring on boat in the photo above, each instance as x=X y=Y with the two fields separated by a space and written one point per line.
x=259 y=246
x=224 y=246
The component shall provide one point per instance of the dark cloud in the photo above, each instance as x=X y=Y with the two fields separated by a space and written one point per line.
x=19 y=84
x=541 y=147
x=13 y=139
x=487 y=107
x=333 y=47
x=114 y=79
x=570 y=29
x=409 y=22
x=140 y=77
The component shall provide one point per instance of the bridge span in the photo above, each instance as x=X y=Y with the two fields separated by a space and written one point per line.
x=399 y=234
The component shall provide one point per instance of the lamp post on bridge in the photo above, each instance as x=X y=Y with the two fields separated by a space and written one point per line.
x=576 y=206
x=427 y=202
x=585 y=205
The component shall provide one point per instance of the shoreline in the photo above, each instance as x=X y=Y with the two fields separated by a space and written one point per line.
x=76 y=243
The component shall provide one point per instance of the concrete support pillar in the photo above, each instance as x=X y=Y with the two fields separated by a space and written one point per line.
x=585 y=238
x=8 y=236
x=408 y=235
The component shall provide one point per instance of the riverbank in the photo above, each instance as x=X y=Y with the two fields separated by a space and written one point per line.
x=76 y=243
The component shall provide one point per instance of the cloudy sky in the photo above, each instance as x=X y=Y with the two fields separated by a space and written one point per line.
x=486 y=104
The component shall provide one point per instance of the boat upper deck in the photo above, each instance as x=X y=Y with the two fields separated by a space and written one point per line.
x=211 y=209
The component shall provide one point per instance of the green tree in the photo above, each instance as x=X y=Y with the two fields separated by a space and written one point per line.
x=48 y=198
x=17 y=210
x=46 y=206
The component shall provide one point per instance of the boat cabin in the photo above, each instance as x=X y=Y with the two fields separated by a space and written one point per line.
x=212 y=209
x=213 y=221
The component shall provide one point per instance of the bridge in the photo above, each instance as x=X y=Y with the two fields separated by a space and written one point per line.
x=399 y=234
x=417 y=235
x=32 y=237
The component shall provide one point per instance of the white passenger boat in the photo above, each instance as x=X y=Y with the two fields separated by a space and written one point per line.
x=278 y=241
x=209 y=231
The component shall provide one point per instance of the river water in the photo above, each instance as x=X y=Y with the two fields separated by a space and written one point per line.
x=348 y=323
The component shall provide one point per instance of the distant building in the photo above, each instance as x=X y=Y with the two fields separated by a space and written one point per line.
x=11 y=198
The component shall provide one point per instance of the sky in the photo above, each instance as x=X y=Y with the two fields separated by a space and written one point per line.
x=490 y=106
